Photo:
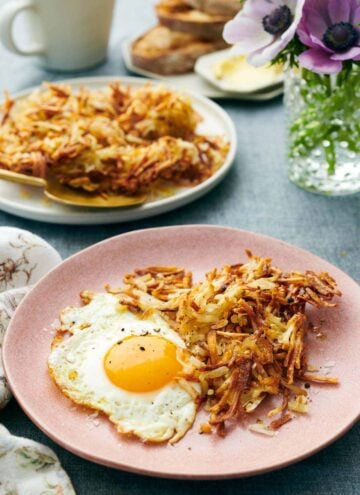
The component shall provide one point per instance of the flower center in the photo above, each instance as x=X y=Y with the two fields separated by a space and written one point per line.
x=278 y=21
x=340 y=37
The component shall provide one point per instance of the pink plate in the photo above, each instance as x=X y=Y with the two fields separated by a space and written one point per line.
x=199 y=248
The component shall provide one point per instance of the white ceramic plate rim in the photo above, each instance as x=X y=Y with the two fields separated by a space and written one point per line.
x=93 y=217
x=206 y=88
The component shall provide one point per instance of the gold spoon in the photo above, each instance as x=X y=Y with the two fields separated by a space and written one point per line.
x=65 y=195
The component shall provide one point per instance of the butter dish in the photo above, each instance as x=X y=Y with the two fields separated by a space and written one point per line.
x=233 y=74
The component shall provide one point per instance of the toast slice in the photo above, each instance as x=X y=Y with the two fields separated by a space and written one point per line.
x=167 y=52
x=179 y=16
x=219 y=7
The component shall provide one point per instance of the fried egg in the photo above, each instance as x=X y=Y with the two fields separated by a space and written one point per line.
x=130 y=369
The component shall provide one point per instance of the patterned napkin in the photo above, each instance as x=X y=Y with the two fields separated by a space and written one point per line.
x=26 y=467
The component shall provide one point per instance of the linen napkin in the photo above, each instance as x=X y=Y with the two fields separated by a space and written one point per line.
x=26 y=467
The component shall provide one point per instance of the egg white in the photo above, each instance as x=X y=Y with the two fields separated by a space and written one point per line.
x=77 y=366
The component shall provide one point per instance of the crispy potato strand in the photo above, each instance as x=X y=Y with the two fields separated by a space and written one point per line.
x=118 y=139
x=245 y=326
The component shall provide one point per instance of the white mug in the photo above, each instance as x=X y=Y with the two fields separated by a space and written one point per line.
x=67 y=35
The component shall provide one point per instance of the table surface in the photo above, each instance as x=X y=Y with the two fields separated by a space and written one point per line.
x=256 y=196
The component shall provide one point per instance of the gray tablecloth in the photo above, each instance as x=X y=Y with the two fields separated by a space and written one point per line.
x=257 y=196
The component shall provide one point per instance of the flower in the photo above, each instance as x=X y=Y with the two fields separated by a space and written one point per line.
x=263 y=28
x=331 y=31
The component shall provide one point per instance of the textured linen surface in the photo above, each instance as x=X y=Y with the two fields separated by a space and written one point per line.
x=24 y=259
x=29 y=468
x=256 y=196
x=26 y=467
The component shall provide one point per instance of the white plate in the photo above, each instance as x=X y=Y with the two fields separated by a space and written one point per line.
x=204 y=66
x=196 y=82
x=30 y=202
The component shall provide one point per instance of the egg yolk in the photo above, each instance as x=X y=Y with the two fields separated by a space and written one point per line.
x=142 y=363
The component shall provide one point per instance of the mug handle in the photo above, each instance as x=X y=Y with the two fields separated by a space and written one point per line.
x=8 y=14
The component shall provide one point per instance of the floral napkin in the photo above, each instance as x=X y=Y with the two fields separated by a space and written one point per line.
x=26 y=467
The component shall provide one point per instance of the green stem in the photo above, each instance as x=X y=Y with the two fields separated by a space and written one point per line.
x=330 y=155
x=329 y=115
x=327 y=83
x=330 y=150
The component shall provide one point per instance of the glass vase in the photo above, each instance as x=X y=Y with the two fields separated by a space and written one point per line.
x=323 y=130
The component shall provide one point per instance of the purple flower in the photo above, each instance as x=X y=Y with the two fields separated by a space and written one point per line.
x=263 y=28
x=331 y=30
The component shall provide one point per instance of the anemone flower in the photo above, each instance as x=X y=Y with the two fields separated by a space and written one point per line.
x=331 y=31
x=263 y=28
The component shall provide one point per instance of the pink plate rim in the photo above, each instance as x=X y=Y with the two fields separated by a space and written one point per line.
x=9 y=370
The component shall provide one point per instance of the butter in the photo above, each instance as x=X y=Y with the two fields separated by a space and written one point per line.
x=239 y=75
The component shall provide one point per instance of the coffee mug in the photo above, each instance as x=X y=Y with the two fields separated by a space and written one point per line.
x=67 y=35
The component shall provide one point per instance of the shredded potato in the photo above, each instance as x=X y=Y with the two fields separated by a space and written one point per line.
x=245 y=326
x=117 y=139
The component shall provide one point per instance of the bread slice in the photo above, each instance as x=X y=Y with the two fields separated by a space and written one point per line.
x=219 y=7
x=179 y=16
x=166 y=52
